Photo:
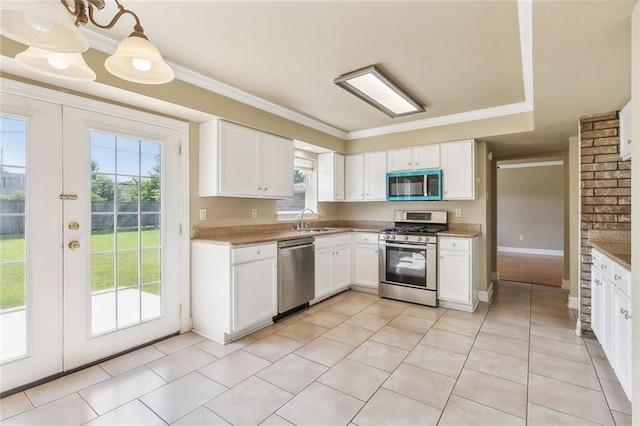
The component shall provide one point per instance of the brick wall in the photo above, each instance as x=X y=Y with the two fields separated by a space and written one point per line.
x=605 y=198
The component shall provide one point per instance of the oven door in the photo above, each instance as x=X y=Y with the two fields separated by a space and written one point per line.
x=406 y=264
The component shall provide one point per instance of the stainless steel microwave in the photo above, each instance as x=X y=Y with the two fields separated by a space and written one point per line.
x=421 y=185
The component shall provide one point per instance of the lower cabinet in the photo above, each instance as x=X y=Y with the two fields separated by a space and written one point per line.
x=458 y=273
x=333 y=265
x=365 y=268
x=234 y=290
x=611 y=314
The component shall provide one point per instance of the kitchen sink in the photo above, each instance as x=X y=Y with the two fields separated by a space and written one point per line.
x=314 y=230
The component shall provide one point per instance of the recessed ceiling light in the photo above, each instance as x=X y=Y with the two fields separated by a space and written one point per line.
x=373 y=87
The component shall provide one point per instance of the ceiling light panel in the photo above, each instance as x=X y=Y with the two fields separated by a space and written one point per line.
x=373 y=87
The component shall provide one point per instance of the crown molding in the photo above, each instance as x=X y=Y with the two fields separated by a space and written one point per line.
x=108 y=45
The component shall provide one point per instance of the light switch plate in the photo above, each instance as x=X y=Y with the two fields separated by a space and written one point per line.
x=203 y=214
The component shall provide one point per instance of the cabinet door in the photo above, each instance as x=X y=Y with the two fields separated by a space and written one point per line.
x=457 y=161
x=254 y=293
x=606 y=315
x=399 y=160
x=277 y=166
x=625 y=132
x=339 y=177
x=240 y=160
x=596 y=300
x=622 y=339
x=454 y=282
x=366 y=265
x=354 y=174
x=426 y=157
x=324 y=272
x=375 y=176
x=342 y=267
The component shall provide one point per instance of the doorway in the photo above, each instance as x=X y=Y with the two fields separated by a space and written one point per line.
x=90 y=220
x=530 y=221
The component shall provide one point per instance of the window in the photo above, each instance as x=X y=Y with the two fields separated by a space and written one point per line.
x=304 y=191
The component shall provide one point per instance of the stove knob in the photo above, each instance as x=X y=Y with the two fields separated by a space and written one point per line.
x=386 y=237
x=419 y=238
x=405 y=238
x=393 y=237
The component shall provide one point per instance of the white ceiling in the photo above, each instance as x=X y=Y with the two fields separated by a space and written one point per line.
x=460 y=59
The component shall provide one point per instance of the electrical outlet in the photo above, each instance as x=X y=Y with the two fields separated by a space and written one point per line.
x=254 y=213
x=458 y=212
x=203 y=214
x=521 y=237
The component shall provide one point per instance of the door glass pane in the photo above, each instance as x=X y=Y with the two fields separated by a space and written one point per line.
x=126 y=243
x=406 y=266
x=13 y=283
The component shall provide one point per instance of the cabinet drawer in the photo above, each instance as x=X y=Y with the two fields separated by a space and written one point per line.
x=460 y=244
x=342 y=239
x=621 y=278
x=323 y=242
x=250 y=253
x=366 y=238
x=605 y=266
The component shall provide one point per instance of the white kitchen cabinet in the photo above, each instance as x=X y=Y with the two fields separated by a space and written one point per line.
x=365 y=262
x=365 y=176
x=330 y=177
x=333 y=265
x=458 y=273
x=625 y=132
x=415 y=158
x=237 y=161
x=611 y=314
x=622 y=339
x=234 y=290
x=458 y=164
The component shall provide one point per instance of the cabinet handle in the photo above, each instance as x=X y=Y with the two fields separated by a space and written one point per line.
x=603 y=266
x=628 y=141
x=368 y=194
x=258 y=252
x=416 y=163
x=617 y=277
x=627 y=316
x=623 y=311
x=409 y=163
x=259 y=188
x=361 y=194
x=266 y=189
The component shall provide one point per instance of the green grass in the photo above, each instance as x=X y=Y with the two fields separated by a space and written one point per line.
x=103 y=269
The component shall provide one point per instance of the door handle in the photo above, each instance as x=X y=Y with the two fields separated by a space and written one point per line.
x=74 y=245
x=74 y=226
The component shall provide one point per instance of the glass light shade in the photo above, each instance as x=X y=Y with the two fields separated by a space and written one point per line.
x=67 y=66
x=42 y=24
x=137 y=60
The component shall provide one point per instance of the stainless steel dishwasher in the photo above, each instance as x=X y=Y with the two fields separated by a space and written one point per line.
x=296 y=273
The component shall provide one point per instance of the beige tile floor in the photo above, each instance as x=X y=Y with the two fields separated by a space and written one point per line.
x=355 y=359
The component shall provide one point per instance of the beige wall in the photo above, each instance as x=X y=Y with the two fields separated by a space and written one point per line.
x=530 y=203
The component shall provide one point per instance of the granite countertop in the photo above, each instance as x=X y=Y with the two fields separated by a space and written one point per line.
x=259 y=234
x=614 y=244
x=239 y=236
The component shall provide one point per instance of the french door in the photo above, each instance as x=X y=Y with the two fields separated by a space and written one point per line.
x=99 y=239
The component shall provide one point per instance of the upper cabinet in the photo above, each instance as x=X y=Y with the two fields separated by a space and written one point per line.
x=365 y=176
x=625 y=132
x=330 y=177
x=237 y=161
x=458 y=164
x=416 y=158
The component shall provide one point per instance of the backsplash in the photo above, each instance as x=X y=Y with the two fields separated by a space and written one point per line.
x=605 y=193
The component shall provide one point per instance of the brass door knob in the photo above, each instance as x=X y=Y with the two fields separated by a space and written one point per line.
x=74 y=226
x=74 y=245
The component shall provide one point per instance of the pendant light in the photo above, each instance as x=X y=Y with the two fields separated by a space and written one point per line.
x=41 y=25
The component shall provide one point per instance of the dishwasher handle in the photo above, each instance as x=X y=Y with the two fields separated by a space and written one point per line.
x=296 y=244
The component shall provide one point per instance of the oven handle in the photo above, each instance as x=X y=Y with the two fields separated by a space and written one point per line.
x=411 y=245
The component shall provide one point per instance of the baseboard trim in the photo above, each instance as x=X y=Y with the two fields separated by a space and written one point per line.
x=486 y=296
x=573 y=302
x=531 y=251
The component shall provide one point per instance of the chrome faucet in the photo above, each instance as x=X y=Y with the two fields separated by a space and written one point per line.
x=301 y=224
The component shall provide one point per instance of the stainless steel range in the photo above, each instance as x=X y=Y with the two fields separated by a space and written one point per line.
x=408 y=256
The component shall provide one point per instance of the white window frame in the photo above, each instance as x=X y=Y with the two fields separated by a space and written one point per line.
x=311 y=200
